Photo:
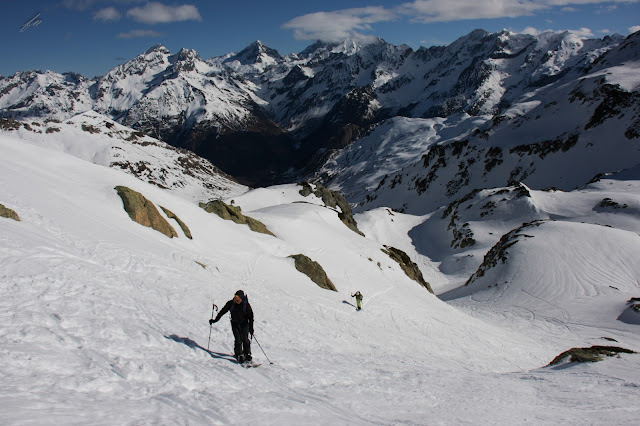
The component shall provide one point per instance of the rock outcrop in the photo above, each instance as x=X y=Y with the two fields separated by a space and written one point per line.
x=183 y=226
x=234 y=213
x=592 y=354
x=334 y=201
x=313 y=270
x=144 y=212
x=8 y=213
x=408 y=266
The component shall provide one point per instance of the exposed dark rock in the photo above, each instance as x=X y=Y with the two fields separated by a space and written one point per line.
x=8 y=213
x=90 y=129
x=9 y=124
x=294 y=76
x=135 y=136
x=313 y=270
x=542 y=149
x=498 y=252
x=522 y=190
x=592 y=354
x=608 y=203
x=493 y=157
x=614 y=102
x=452 y=207
x=437 y=158
x=488 y=208
x=332 y=199
x=631 y=133
x=462 y=235
x=234 y=213
x=143 y=211
x=407 y=265
x=184 y=227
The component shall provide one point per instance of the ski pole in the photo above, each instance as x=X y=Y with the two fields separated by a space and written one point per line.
x=254 y=337
x=214 y=307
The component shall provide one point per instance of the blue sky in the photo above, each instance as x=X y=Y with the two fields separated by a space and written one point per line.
x=93 y=36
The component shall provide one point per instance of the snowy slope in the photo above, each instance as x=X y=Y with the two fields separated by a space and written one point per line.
x=95 y=138
x=105 y=321
x=578 y=276
x=459 y=235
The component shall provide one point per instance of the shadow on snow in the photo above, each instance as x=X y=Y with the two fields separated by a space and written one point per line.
x=193 y=345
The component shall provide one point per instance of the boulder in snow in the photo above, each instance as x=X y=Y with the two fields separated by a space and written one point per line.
x=333 y=200
x=184 y=227
x=234 y=214
x=408 y=266
x=143 y=211
x=313 y=270
x=592 y=354
x=8 y=213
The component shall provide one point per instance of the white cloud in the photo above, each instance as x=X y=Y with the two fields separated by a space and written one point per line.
x=157 y=13
x=107 y=14
x=582 y=32
x=634 y=29
x=351 y=23
x=338 y=25
x=439 y=11
x=536 y=32
x=139 y=34
x=532 y=31
x=341 y=24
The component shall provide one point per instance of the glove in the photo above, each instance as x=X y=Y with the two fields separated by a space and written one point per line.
x=211 y=321
x=251 y=330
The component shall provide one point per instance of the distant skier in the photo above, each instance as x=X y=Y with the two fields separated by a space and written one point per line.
x=241 y=324
x=358 y=297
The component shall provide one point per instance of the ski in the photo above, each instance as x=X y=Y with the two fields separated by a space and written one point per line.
x=251 y=364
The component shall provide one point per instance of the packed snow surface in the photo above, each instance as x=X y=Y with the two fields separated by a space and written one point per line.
x=104 y=321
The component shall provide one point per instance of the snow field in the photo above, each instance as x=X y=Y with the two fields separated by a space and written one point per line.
x=105 y=321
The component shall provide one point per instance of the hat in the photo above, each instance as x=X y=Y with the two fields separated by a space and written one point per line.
x=240 y=294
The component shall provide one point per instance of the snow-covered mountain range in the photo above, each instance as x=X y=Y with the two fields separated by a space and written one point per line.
x=266 y=118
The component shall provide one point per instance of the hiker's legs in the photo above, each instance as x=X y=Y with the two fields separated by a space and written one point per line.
x=242 y=343
x=246 y=342
x=237 y=336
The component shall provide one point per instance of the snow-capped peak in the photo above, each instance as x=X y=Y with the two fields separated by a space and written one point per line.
x=158 y=48
x=256 y=53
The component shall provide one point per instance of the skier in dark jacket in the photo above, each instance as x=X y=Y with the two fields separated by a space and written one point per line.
x=241 y=324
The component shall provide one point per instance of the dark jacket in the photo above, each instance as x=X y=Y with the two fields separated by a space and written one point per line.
x=240 y=313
